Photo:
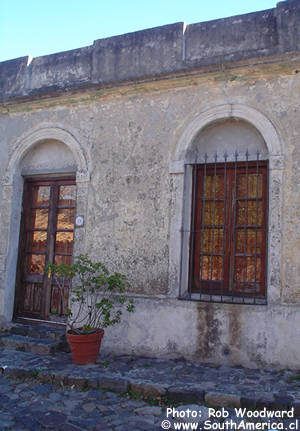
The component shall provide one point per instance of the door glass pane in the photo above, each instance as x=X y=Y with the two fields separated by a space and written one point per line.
x=65 y=218
x=67 y=196
x=64 y=242
x=40 y=195
x=37 y=241
x=62 y=259
x=39 y=219
x=36 y=264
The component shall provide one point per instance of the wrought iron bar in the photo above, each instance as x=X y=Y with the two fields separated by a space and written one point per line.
x=224 y=223
x=256 y=223
x=202 y=219
x=192 y=239
x=234 y=210
x=245 y=259
x=213 y=229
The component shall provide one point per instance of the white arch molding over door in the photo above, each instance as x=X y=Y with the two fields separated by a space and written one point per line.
x=26 y=141
x=179 y=212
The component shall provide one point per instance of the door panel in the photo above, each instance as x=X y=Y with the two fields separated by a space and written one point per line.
x=46 y=236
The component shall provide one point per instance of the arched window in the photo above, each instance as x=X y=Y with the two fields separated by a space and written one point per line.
x=226 y=221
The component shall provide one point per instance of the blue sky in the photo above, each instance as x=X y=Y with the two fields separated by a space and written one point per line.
x=37 y=27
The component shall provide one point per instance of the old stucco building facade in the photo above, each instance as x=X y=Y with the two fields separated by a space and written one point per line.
x=129 y=118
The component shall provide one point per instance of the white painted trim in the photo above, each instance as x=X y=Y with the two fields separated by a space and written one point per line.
x=246 y=113
x=176 y=167
x=25 y=142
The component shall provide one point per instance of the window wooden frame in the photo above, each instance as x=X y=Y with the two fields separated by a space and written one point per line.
x=227 y=267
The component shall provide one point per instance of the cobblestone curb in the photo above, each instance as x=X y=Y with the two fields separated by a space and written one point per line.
x=147 y=390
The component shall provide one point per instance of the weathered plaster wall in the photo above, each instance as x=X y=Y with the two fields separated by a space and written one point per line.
x=129 y=141
x=254 y=336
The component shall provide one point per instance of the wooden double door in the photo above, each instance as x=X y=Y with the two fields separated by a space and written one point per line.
x=46 y=236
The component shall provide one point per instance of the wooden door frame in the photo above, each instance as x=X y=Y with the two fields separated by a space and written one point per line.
x=38 y=180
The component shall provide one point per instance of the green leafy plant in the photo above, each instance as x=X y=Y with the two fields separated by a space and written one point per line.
x=96 y=296
x=295 y=378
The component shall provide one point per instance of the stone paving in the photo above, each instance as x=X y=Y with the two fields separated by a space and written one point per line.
x=49 y=392
x=31 y=406
x=158 y=377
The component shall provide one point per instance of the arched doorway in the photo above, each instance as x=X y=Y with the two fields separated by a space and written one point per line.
x=46 y=230
x=46 y=169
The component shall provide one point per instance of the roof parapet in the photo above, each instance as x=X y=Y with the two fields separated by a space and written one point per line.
x=155 y=52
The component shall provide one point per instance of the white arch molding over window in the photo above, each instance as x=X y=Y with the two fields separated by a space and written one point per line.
x=180 y=224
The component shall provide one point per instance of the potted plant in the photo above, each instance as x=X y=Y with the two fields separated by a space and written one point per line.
x=96 y=299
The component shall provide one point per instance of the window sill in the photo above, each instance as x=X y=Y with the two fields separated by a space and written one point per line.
x=224 y=299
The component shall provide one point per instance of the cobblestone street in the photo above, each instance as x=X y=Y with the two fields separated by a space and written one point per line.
x=30 y=406
x=131 y=394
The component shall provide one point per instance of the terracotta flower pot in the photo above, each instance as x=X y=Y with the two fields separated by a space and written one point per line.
x=85 y=348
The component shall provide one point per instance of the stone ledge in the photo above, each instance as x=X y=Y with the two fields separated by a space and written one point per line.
x=218 y=399
x=183 y=394
x=147 y=389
